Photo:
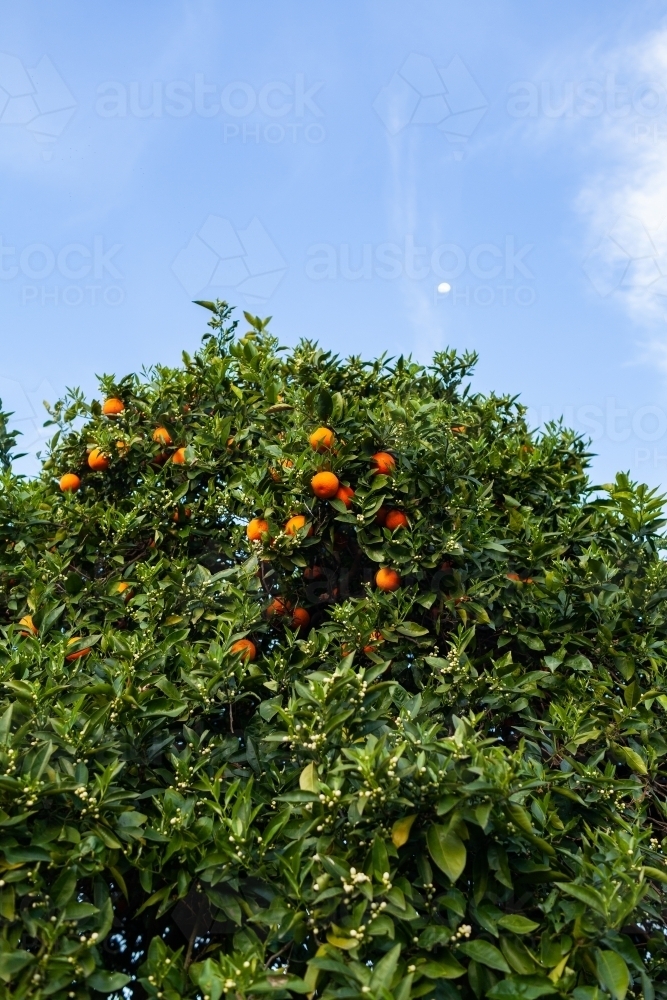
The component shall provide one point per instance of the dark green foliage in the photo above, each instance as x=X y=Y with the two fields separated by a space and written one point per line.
x=454 y=789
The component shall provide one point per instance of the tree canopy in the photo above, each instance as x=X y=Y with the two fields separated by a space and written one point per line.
x=331 y=678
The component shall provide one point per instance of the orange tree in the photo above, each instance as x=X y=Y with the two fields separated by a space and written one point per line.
x=327 y=678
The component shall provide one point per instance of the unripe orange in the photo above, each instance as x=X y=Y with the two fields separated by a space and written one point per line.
x=246 y=649
x=28 y=623
x=97 y=460
x=161 y=435
x=325 y=485
x=256 y=528
x=69 y=483
x=345 y=494
x=112 y=407
x=322 y=439
x=178 y=458
x=295 y=524
x=383 y=462
x=300 y=618
x=387 y=579
x=395 y=519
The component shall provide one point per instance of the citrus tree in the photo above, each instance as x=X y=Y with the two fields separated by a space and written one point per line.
x=327 y=678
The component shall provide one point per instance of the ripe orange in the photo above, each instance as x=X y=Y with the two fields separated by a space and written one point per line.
x=381 y=516
x=256 y=528
x=176 y=516
x=513 y=576
x=459 y=429
x=313 y=573
x=124 y=588
x=375 y=639
x=395 y=519
x=69 y=483
x=322 y=439
x=300 y=618
x=278 y=606
x=28 y=623
x=383 y=462
x=295 y=524
x=122 y=446
x=286 y=463
x=161 y=435
x=345 y=494
x=387 y=579
x=97 y=460
x=79 y=653
x=178 y=458
x=112 y=407
x=244 y=647
x=324 y=485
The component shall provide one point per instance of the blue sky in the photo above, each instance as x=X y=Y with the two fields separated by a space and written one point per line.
x=379 y=176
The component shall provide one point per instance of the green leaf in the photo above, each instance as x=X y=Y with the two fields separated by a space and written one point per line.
x=486 y=954
x=633 y=760
x=447 y=850
x=585 y=894
x=383 y=973
x=411 y=629
x=308 y=778
x=522 y=988
x=613 y=974
x=445 y=968
x=108 y=982
x=517 y=924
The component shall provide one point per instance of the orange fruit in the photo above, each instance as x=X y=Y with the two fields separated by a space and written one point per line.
x=345 y=494
x=178 y=458
x=112 y=407
x=295 y=524
x=230 y=443
x=69 y=483
x=381 y=516
x=277 y=607
x=387 y=579
x=97 y=460
x=383 y=462
x=244 y=647
x=256 y=528
x=513 y=576
x=122 y=446
x=79 y=652
x=300 y=618
x=29 y=624
x=161 y=435
x=286 y=463
x=322 y=439
x=324 y=485
x=460 y=429
x=123 y=588
x=395 y=519
x=375 y=638
x=313 y=573
x=176 y=516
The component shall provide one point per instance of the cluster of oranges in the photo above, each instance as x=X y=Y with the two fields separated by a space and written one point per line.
x=99 y=462
x=325 y=486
